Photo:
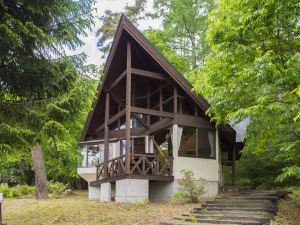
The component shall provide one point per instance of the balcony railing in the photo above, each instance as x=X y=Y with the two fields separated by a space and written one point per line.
x=140 y=164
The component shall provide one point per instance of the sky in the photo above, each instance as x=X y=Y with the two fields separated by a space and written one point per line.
x=90 y=47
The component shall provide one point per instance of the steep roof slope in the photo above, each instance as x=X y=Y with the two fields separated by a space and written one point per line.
x=115 y=65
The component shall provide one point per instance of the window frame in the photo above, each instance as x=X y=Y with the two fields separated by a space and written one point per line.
x=197 y=141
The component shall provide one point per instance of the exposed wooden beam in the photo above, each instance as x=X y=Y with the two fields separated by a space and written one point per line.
x=193 y=121
x=128 y=107
x=122 y=105
x=141 y=121
x=152 y=112
x=100 y=128
x=157 y=90
x=122 y=133
x=116 y=81
x=146 y=73
x=160 y=125
x=111 y=120
x=117 y=134
x=106 y=144
x=165 y=101
x=117 y=116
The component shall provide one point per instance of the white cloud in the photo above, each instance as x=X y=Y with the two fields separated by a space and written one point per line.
x=90 y=47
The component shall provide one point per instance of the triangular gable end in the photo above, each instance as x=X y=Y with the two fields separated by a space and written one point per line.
x=115 y=65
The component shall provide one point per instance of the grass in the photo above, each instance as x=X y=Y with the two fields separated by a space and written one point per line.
x=77 y=209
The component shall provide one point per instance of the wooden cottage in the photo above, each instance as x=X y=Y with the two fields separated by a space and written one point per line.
x=147 y=125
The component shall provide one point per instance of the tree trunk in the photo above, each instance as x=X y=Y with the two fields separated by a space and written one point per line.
x=39 y=173
x=23 y=175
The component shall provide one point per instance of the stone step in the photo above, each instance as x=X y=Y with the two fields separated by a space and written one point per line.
x=239 y=205
x=232 y=213
x=258 y=209
x=258 y=194
x=247 y=207
x=259 y=218
x=270 y=198
x=220 y=221
x=176 y=222
x=247 y=201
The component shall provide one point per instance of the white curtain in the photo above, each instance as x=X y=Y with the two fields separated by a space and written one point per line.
x=83 y=152
x=151 y=150
x=180 y=129
x=211 y=141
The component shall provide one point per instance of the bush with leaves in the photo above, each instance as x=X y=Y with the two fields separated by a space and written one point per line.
x=17 y=191
x=56 y=188
x=191 y=189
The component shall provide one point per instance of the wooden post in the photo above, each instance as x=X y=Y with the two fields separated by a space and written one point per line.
x=160 y=99
x=106 y=143
x=148 y=103
x=175 y=99
x=119 y=120
x=233 y=171
x=128 y=101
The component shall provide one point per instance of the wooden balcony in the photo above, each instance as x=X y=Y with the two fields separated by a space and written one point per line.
x=142 y=166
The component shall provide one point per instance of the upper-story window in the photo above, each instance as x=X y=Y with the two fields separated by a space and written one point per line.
x=197 y=142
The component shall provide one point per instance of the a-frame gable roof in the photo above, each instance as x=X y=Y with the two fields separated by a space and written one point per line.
x=128 y=30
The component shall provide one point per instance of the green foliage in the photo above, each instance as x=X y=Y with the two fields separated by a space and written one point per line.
x=191 y=190
x=17 y=191
x=44 y=95
x=109 y=22
x=254 y=72
x=32 y=60
x=56 y=188
x=160 y=38
x=184 y=27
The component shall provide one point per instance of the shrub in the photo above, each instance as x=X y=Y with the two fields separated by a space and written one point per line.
x=5 y=190
x=191 y=190
x=26 y=189
x=17 y=191
x=56 y=188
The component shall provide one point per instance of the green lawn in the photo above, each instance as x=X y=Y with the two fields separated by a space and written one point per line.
x=77 y=209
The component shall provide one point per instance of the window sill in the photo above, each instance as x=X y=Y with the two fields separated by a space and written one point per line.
x=195 y=157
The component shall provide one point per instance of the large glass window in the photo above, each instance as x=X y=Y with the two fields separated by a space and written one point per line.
x=187 y=142
x=206 y=143
x=196 y=142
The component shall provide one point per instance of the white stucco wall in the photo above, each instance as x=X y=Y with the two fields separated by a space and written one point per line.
x=87 y=173
x=208 y=169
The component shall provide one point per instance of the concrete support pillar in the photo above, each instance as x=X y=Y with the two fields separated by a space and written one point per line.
x=94 y=193
x=105 y=194
x=132 y=190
